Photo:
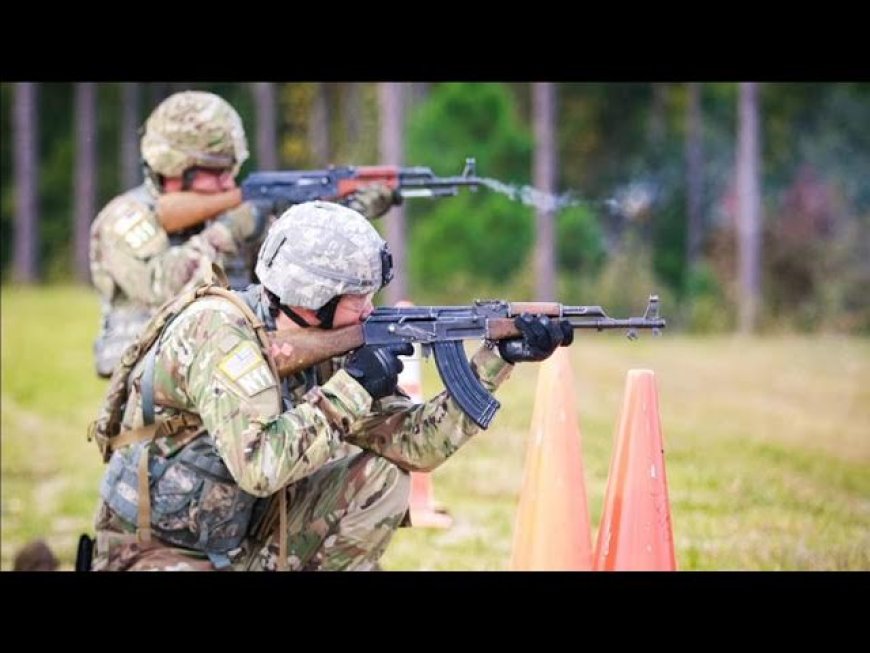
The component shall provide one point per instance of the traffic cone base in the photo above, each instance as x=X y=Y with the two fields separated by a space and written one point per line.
x=635 y=532
x=552 y=526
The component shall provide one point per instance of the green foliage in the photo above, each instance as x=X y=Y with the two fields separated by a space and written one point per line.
x=669 y=240
x=579 y=241
x=708 y=309
x=627 y=279
x=470 y=120
x=602 y=143
x=472 y=235
x=609 y=137
x=484 y=236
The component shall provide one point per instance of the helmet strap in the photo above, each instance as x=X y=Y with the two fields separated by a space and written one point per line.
x=293 y=315
x=326 y=313
x=275 y=306
x=156 y=179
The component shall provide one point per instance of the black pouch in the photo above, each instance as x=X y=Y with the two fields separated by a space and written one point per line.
x=195 y=502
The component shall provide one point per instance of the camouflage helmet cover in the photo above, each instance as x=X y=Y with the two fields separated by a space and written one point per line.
x=193 y=128
x=319 y=250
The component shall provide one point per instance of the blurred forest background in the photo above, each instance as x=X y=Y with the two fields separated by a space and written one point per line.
x=745 y=206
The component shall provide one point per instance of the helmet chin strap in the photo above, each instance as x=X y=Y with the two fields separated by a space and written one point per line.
x=293 y=315
x=325 y=314
x=155 y=178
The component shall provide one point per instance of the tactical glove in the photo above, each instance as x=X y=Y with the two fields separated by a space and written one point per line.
x=374 y=200
x=377 y=368
x=540 y=337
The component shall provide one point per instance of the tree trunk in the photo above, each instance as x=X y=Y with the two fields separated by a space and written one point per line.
x=352 y=112
x=748 y=207
x=544 y=117
x=657 y=117
x=131 y=170
x=418 y=91
x=392 y=150
x=26 y=134
x=319 y=127
x=85 y=191
x=694 y=176
x=267 y=126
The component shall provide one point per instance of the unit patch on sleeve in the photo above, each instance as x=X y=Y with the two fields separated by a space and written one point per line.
x=245 y=367
x=135 y=227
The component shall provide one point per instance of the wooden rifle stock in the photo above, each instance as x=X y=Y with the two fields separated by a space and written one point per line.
x=295 y=350
x=185 y=209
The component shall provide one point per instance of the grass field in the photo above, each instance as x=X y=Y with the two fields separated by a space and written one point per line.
x=767 y=444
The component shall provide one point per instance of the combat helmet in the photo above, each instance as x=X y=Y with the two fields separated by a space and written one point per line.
x=317 y=251
x=193 y=128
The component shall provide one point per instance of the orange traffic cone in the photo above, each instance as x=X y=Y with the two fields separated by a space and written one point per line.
x=552 y=526
x=425 y=513
x=635 y=532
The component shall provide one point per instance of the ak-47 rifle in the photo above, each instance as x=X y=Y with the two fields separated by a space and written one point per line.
x=442 y=329
x=186 y=209
x=184 y=212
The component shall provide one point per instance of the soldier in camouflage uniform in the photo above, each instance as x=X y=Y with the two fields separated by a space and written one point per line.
x=241 y=473
x=192 y=141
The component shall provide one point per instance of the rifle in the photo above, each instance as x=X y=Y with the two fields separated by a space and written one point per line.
x=178 y=211
x=441 y=330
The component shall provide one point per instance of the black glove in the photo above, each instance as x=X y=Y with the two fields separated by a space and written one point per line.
x=541 y=336
x=377 y=368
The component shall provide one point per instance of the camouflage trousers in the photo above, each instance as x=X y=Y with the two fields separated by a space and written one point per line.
x=341 y=517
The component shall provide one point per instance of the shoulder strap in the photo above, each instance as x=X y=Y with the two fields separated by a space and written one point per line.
x=255 y=322
x=148 y=387
x=108 y=424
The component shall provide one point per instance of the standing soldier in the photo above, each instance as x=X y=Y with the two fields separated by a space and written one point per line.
x=192 y=141
x=215 y=462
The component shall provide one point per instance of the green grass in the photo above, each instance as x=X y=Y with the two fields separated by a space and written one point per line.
x=767 y=444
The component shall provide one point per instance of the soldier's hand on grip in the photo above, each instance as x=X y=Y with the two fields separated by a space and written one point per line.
x=374 y=200
x=246 y=222
x=541 y=336
x=377 y=368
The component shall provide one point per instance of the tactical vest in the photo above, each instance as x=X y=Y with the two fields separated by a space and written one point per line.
x=167 y=496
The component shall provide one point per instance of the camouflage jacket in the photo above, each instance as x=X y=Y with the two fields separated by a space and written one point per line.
x=132 y=261
x=136 y=268
x=209 y=364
